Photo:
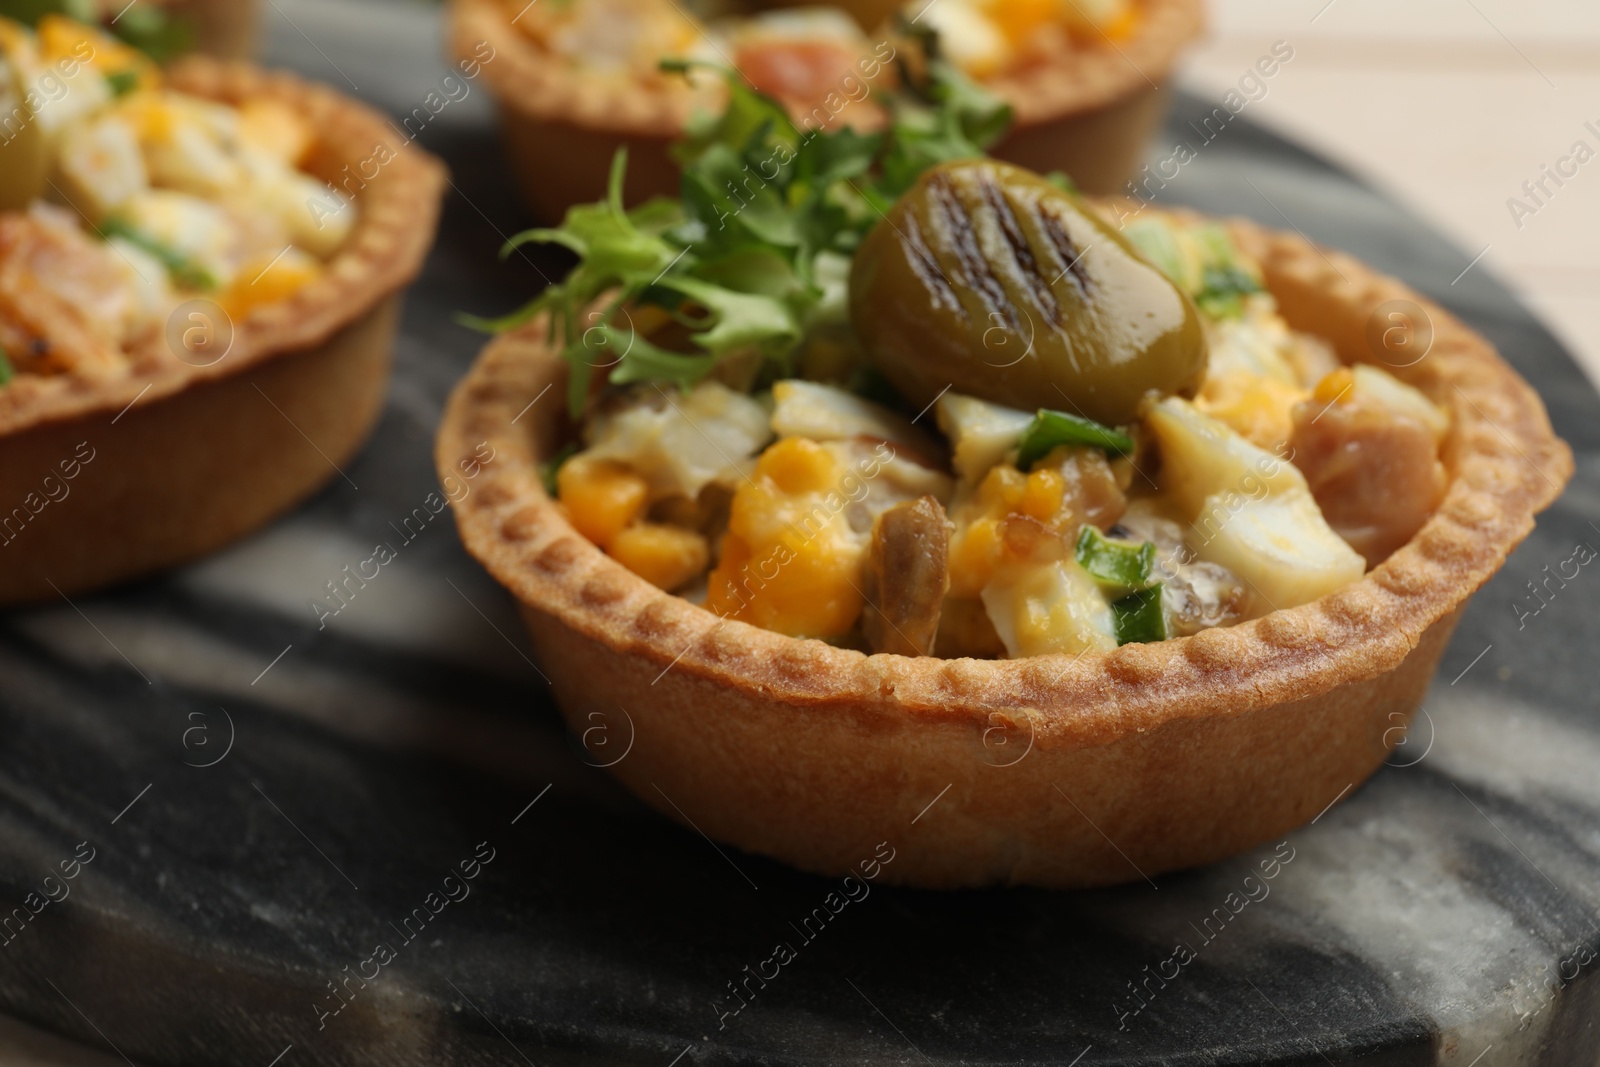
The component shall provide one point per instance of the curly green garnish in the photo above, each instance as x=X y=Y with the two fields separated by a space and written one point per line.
x=732 y=265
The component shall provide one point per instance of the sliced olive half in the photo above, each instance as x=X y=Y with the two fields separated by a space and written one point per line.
x=988 y=280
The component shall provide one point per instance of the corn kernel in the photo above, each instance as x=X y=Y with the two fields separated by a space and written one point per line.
x=1258 y=408
x=799 y=465
x=601 y=498
x=803 y=588
x=275 y=128
x=61 y=38
x=974 y=553
x=1002 y=487
x=1019 y=20
x=664 y=556
x=1336 y=386
x=269 y=280
x=1123 y=24
x=1043 y=494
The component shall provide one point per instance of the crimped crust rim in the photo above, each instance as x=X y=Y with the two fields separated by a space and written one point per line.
x=1507 y=466
x=524 y=78
x=398 y=214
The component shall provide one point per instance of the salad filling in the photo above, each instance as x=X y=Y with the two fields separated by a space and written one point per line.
x=121 y=198
x=801 y=54
x=904 y=398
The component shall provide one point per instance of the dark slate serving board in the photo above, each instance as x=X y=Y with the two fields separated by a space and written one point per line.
x=266 y=802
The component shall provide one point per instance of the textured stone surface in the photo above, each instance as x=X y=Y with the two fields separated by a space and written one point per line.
x=267 y=801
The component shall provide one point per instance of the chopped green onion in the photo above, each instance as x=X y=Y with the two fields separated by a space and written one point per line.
x=1223 y=290
x=1050 y=429
x=7 y=372
x=185 y=271
x=550 y=469
x=1115 y=563
x=123 y=82
x=1138 y=618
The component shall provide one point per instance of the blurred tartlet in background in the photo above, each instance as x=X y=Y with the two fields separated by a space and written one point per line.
x=200 y=269
x=577 y=79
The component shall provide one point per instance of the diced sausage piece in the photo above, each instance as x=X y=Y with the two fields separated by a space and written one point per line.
x=908 y=574
x=966 y=631
x=1092 y=493
x=1374 y=471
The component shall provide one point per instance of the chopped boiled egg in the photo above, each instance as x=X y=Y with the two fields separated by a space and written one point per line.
x=1383 y=388
x=194 y=229
x=968 y=36
x=1248 y=510
x=681 y=443
x=1065 y=490
x=313 y=214
x=273 y=127
x=1052 y=608
x=189 y=144
x=146 y=278
x=980 y=433
x=827 y=413
x=101 y=166
x=62 y=94
x=800 y=530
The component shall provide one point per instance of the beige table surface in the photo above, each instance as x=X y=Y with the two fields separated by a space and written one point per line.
x=1449 y=105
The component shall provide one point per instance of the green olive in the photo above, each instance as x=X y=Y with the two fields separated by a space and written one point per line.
x=991 y=281
x=24 y=160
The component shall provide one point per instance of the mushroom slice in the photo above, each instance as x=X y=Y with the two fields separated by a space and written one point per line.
x=907 y=576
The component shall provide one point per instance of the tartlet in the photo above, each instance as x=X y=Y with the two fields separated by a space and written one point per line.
x=1051 y=770
x=1089 y=114
x=110 y=476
